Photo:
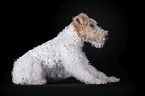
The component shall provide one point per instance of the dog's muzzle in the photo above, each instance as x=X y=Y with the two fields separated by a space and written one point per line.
x=101 y=38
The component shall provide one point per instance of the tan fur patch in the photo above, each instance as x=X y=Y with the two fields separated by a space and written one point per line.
x=85 y=27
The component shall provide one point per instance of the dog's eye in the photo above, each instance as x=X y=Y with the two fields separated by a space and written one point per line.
x=91 y=25
x=78 y=20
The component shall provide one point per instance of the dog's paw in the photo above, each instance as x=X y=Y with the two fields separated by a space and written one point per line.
x=101 y=81
x=97 y=81
x=113 y=79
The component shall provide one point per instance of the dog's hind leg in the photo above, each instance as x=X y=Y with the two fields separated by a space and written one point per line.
x=27 y=72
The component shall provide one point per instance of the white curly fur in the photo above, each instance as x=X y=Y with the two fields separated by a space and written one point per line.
x=59 y=58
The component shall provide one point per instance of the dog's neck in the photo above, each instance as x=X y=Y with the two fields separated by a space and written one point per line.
x=70 y=37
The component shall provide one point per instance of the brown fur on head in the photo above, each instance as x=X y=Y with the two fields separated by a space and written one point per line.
x=83 y=26
x=88 y=30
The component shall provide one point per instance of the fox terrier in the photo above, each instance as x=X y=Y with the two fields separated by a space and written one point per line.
x=63 y=57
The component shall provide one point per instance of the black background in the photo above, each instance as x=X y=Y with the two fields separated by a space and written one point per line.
x=29 y=24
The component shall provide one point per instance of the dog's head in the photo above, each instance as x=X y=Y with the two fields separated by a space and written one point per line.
x=88 y=30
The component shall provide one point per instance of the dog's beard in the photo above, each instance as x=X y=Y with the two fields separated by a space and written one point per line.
x=100 y=41
x=98 y=44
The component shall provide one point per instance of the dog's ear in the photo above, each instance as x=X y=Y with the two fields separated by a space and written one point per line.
x=79 y=21
x=81 y=18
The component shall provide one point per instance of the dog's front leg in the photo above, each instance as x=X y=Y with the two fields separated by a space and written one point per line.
x=95 y=72
x=74 y=64
x=101 y=75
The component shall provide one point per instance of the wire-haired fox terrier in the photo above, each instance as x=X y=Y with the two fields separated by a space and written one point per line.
x=62 y=57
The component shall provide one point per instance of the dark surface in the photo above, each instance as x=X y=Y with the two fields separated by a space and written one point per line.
x=73 y=89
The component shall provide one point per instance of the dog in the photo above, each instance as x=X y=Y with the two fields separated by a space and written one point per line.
x=63 y=57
